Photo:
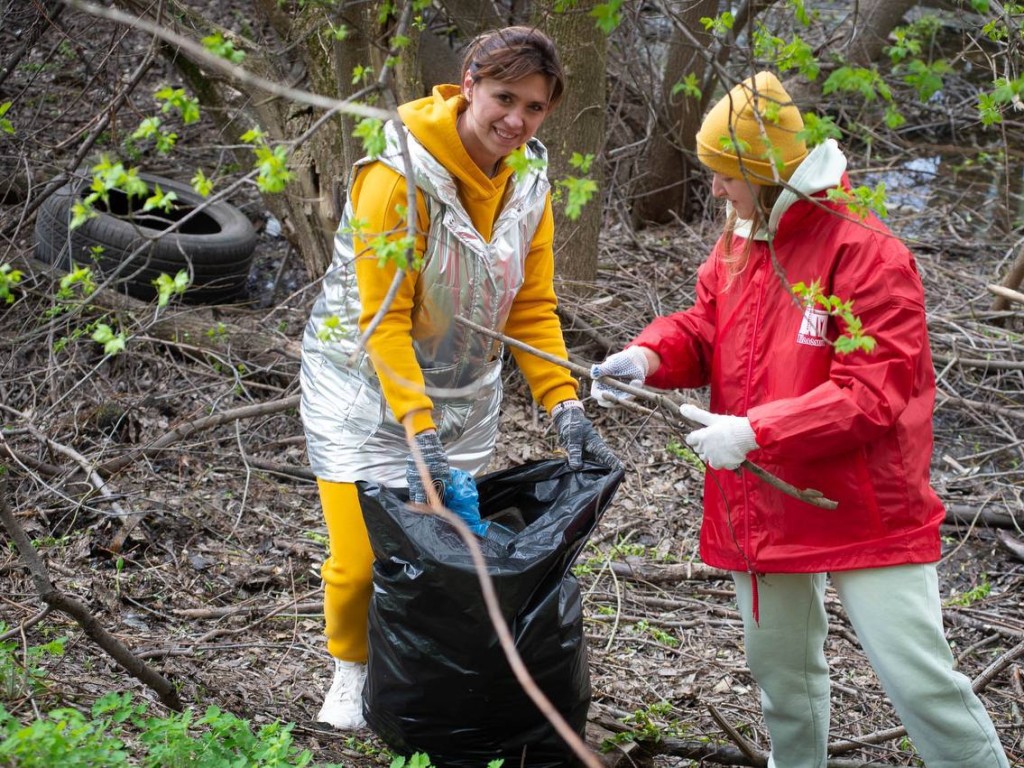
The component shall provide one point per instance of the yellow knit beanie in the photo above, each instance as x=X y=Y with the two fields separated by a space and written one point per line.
x=762 y=140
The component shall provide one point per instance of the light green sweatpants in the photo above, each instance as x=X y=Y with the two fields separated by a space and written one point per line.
x=897 y=615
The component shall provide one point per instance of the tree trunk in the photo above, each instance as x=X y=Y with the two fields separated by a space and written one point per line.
x=472 y=17
x=577 y=125
x=672 y=174
x=866 y=31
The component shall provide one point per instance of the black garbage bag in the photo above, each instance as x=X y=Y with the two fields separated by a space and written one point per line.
x=438 y=681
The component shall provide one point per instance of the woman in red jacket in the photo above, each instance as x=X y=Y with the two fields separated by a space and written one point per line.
x=855 y=426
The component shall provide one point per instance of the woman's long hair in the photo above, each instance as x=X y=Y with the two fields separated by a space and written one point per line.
x=735 y=260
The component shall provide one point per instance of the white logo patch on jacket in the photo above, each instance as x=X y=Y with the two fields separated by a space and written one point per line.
x=813 y=328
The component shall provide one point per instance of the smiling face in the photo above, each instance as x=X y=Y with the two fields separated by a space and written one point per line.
x=742 y=193
x=501 y=116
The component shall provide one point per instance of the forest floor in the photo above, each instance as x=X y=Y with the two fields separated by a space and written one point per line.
x=202 y=555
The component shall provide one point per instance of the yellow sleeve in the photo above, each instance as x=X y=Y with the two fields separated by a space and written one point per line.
x=378 y=194
x=533 y=321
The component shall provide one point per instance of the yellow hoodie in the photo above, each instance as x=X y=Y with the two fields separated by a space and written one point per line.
x=379 y=195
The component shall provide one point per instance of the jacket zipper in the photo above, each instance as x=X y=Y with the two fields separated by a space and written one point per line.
x=745 y=479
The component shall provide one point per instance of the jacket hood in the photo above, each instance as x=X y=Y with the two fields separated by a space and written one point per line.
x=431 y=120
x=822 y=169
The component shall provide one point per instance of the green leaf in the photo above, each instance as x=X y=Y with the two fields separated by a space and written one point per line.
x=9 y=277
x=817 y=128
x=419 y=760
x=5 y=124
x=371 y=131
x=865 y=82
x=396 y=250
x=179 y=100
x=719 y=25
x=113 y=343
x=578 y=193
x=522 y=164
x=607 y=15
x=893 y=117
x=201 y=183
x=272 y=165
x=253 y=136
x=361 y=74
x=332 y=330
x=147 y=128
x=160 y=200
x=219 y=46
x=581 y=162
x=689 y=85
x=81 y=212
x=167 y=286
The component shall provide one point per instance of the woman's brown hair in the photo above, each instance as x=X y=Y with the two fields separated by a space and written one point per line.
x=512 y=53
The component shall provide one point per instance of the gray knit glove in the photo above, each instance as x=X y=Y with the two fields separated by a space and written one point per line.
x=628 y=366
x=436 y=461
x=578 y=438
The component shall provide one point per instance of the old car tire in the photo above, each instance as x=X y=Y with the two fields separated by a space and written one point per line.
x=215 y=246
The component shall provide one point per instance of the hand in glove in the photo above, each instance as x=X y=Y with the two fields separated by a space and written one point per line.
x=628 y=366
x=724 y=442
x=578 y=438
x=436 y=462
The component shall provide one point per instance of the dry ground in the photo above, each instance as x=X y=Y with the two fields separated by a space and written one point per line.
x=219 y=536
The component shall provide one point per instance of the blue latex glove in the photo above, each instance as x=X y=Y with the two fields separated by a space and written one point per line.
x=628 y=366
x=462 y=498
x=436 y=461
x=578 y=438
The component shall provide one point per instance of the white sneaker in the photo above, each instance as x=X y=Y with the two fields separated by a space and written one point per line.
x=343 y=705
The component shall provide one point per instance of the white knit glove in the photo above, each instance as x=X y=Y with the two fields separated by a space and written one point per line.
x=628 y=366
x=724 y=442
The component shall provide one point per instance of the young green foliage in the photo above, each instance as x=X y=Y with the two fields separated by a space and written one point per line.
x=644 y=725
x=417 y=760
x=578 y=190
x=607 y=16
x=9 y=278
x=219 y=46
x=689 y=85
x=522 y=165
x=862 y=200
x=167 y=286
x=107 y=177
x=371 y=131
x=113 y=343
x=271 y=162
x=6 y=125
x=853 y=339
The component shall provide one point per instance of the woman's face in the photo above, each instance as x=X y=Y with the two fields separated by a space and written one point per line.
x=501 y=116
x=742 y=193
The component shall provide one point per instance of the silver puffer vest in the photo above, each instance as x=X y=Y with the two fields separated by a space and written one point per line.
x=351 y=433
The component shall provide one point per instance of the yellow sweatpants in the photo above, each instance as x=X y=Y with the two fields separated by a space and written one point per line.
x=346 y=573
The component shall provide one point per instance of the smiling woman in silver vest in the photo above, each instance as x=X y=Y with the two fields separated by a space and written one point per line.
x=483 y=251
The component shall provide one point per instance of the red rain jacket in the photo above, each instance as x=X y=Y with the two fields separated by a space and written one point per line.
x=856 y=427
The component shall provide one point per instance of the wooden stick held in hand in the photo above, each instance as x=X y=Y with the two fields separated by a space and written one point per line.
x=666 y=405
